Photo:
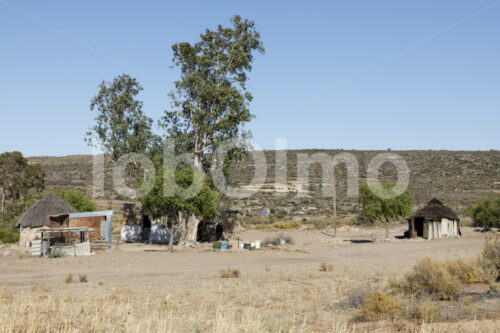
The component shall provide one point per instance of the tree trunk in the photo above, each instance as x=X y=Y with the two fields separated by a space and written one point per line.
x=192 y=228
x=386 y=229
x=2 y=200
x=172 y=233
x=182 y=226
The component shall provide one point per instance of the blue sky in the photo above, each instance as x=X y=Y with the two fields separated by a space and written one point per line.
x=336 y=74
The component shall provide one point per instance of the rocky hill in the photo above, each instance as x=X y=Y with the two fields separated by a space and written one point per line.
x=455 y=177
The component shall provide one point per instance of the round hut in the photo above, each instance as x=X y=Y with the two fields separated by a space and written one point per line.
x=435 y=220
x=38 y=216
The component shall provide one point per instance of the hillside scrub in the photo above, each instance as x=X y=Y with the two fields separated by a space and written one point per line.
x=486 y=212
x=7 y=236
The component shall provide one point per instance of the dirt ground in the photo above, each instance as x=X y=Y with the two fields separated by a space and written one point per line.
x=280 y=289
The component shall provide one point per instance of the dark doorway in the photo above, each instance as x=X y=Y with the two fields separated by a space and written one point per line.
x=419 y=226
x=219 y=232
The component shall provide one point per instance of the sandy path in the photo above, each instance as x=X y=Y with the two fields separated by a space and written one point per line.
x=310 y=248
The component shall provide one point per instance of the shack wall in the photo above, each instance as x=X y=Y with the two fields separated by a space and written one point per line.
x=93 y=222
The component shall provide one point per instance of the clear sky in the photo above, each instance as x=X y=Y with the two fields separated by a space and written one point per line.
x=336 y=74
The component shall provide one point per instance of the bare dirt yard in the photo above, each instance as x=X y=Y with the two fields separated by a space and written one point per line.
x=306 y=286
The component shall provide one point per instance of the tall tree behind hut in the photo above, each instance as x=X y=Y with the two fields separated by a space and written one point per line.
x=210 y=101
x=18 y=179
x=121 y=125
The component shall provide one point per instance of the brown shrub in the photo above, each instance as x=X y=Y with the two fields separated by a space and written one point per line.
x=428 y=278
x=378 y=306
x=324 y=267
x=470 y=271
x=427 y=312
x=69 y=278
x=229 y=273
x=490 y=257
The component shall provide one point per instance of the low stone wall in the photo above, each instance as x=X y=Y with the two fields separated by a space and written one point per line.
x=29 y=234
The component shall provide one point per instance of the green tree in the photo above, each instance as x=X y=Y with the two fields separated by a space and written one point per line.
x=183 y=214
x=210 y=101
x=18 y=179
x=79 y=200
x=121 y=124
x=375 y=206
x=486 y=212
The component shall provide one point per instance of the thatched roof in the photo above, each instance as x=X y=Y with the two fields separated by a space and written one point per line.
x=38 y=215
x=435 y=211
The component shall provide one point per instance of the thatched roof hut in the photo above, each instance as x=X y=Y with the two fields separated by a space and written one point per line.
x=435 y=210
x=435 y=220
x=38 y=214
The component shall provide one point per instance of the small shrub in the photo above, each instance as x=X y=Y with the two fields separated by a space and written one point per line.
x=229 y=273
x=427 y=312
x=20 y=256
x=55 y=252
x=490 y=257
x=428 y=278
x=378 y=306
x=216 y=245
x=69 y=278
x=83 y=278
x=324 y=267
x=235 y=273
x=356 y=297
x=8 y=237
x=468 y=271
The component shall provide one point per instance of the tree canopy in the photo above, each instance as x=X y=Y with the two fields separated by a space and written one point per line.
x=486 y=212
x=18 y=179
x=181 y=211
x=79 y=200
x=378 y=207
x=121 y=125
x=210 y=101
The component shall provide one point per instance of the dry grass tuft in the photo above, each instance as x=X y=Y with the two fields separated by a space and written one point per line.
x=324 y=267
x=229 y=273
x=69 y=278
x=83 y=278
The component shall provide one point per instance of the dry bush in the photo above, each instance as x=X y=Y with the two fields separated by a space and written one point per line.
x=324 y=267
x=470 y=271
x=490 y=257
x=69 y=278
x=229 y=273
x=83 y=278
x=426 y=311
x=378 y=306
x=428 y=278
x=356 y=297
